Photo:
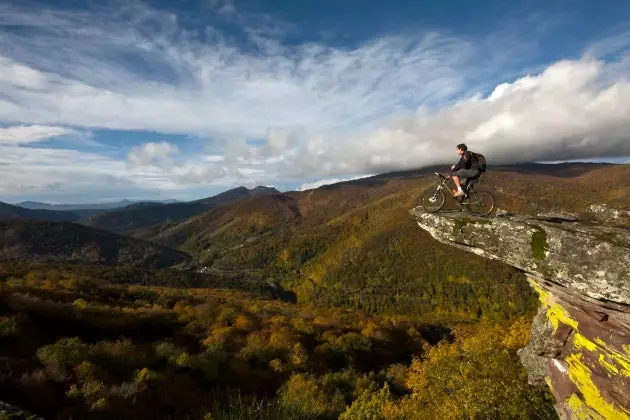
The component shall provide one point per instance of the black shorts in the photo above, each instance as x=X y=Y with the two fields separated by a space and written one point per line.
x=465 y=174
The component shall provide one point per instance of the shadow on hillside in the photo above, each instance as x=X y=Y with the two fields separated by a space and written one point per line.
x=434 y=333
x=371 y=182
x=561 y=170
x=274 y=290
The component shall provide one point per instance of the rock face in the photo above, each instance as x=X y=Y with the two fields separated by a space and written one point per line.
x=609 y=215
x=580 y=339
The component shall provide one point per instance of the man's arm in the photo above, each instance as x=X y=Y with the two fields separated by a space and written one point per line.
x=462 y=162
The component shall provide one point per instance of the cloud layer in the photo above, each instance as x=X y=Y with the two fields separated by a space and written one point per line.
x=270 y=112
x=215 y=89
x=30 y=133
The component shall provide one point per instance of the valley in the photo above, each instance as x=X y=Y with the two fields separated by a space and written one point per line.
x=323 y=303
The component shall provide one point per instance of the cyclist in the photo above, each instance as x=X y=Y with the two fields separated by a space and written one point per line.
x=466 y=168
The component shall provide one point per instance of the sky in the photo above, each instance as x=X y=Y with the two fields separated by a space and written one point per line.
x=101 y=101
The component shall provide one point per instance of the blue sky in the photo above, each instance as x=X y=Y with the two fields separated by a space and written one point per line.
x=157 y=99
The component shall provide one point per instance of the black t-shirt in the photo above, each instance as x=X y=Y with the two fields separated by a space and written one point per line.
x=467 y=161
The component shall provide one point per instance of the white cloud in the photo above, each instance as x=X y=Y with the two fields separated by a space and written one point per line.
x=152 y=154
x=28 y=170
x=564 y=112
x=194 y=173
x=213 y=89
x=321 y=112
x=158 y=157
x=616 y=42
x=30 y=133
x=321 y=183
x=213 y=158
x=31 y=170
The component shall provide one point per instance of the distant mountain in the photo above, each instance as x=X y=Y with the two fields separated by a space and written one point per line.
x=22 y=239
x=36 y=205
x=142 y=215
x=236 y=194
x=9 y=211
x=230 y=225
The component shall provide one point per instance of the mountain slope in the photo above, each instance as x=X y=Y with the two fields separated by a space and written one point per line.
x=142 y=215
x=232 y=225
x=36 y=205
x=9 y=211
x=354 y=244
x=59 y=241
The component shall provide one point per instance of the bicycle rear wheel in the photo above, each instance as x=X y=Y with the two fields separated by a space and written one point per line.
x=433 y=199
x=480 y=202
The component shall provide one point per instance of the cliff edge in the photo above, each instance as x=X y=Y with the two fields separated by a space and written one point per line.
x=580 y=338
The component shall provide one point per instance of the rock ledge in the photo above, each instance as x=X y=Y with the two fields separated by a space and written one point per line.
x=580 y=338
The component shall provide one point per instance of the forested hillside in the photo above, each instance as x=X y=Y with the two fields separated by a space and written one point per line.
x=354 y=244
x=9 y=211
x=25 y=239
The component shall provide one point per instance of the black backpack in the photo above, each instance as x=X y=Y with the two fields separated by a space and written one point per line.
x=481 y=161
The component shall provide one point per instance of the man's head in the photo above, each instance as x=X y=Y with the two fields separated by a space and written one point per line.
x=461 y=148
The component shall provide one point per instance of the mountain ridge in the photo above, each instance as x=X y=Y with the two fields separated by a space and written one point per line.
x=10 y=211
x=141 y=215
x=39 y=205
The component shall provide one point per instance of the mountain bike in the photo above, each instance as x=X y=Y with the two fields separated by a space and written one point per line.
x=475 y=201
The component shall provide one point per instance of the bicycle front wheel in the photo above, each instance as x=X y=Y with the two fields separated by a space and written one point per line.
x=480 y=202
x=433 y=199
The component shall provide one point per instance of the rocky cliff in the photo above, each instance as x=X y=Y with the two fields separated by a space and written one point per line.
x=580 y=338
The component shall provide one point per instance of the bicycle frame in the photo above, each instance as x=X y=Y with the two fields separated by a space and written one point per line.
x=442 y=185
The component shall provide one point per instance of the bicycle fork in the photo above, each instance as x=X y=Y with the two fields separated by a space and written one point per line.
x=434 y=198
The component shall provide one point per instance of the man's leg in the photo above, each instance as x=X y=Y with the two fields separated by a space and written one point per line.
x=460 y=177
x=458 y=192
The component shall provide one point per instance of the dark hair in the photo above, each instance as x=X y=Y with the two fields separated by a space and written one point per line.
x=462 y=146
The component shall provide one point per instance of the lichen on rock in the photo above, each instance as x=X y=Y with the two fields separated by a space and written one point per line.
x=580 y=338
x=609 y=215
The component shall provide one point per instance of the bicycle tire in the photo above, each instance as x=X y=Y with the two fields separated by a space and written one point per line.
x=480 y=202
x=433 y=199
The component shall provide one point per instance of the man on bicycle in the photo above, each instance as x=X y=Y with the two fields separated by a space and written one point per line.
x=466 y=168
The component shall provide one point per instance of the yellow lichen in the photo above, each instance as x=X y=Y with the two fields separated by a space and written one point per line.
x=593 y=405
x=580 y=375
x=607 y=365
x=555 y=312
x=543 y=295
x=622 y=361
x=579 y=341
x=607 y=357
x=580 y=410
x=619 y=358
